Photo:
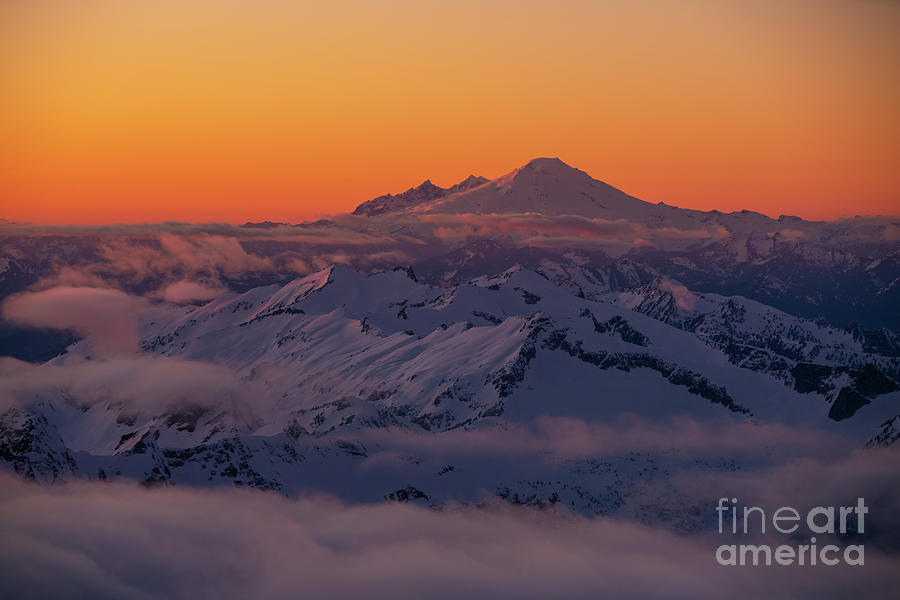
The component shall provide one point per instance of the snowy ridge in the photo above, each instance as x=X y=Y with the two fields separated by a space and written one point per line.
x=328 y=361
x=808 y=355
x=425 y=192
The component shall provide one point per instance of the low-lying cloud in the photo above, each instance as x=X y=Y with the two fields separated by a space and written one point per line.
x=684 y=298
x=108 y=317
x=533 y=229
x=568 y=437
x=138 y=384
x=149 y=259
x=103 y=540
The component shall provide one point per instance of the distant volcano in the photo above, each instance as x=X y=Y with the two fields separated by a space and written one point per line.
x=547 y=186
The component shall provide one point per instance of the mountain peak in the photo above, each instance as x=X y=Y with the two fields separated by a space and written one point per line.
x=425 y=192
x=546 y=163
x=537 y=170
x=472 y=181
x=544 y=185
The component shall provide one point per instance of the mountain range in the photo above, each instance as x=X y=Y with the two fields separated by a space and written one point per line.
x=437 y=345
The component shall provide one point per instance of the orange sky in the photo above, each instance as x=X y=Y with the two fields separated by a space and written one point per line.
x=228 y=110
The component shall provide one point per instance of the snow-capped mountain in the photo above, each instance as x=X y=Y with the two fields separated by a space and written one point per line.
x=545 y=211
x=459 y=345
x=338 y=371
x=842 y=271
x=849 y=367
x=426 y=192
x=544 y=186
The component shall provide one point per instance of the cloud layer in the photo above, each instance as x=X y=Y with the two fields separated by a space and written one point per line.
x=109 y=317
x=123 y=541
x=139 y=384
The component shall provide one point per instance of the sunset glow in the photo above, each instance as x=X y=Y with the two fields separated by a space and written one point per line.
x=233 y=111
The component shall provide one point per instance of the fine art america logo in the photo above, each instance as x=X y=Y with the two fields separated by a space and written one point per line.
x=820 y=520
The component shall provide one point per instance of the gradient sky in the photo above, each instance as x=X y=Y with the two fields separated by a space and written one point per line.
x=227 y=110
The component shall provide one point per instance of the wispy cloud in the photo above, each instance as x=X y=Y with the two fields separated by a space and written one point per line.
x=133 y=385
x=109 y=317
x=564 y=230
